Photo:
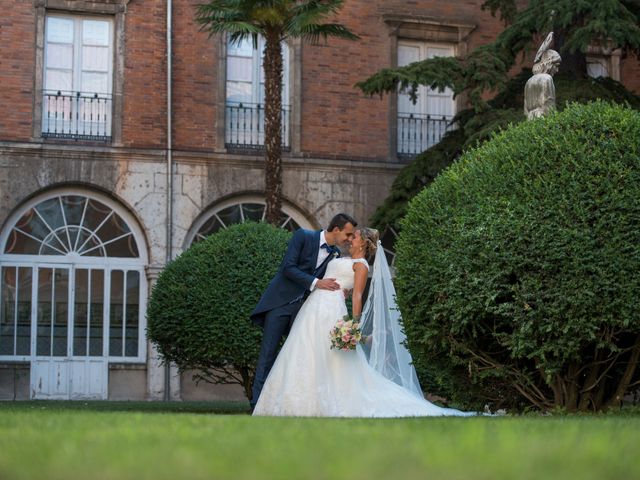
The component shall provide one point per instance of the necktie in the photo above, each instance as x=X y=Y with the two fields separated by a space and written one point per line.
x=326 y=247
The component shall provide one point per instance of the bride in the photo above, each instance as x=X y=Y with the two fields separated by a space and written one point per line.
x=377 y=379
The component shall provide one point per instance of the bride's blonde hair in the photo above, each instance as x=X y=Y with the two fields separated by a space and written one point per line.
x=370 y=238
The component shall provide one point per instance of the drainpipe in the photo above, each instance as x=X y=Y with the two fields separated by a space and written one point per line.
x=169 y=234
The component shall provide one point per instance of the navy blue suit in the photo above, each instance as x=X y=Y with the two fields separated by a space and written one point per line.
x=284 y=296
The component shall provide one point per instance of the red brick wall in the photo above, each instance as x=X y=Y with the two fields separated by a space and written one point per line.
x=630 y=73
x=195 y=80
x=144 y=110
x=17 y=45
x=337 y=119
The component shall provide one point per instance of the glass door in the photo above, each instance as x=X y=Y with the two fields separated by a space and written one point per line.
x=50 y=337
x=68 y=338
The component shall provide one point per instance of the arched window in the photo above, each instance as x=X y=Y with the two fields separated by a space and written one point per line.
x=239 y=210
x=72 y=292
x=72 y=224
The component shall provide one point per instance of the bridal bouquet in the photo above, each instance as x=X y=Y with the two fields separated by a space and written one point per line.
x=346 y=334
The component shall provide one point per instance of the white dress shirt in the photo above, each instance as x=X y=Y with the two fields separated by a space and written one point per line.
x=322 y=255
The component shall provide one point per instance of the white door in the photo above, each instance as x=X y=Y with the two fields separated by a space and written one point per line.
x=88 y=379
x=68 y=334
x=50 y=379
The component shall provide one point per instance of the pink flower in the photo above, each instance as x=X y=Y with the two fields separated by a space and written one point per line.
x=346 y=337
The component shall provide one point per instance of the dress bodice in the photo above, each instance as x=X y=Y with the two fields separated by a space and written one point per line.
x=342 y=270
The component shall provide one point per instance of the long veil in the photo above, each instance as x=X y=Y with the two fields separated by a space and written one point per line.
x=381 y=326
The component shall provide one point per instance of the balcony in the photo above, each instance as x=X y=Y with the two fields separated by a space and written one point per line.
x=244 y=126
x=419 y=132
x=76 y=115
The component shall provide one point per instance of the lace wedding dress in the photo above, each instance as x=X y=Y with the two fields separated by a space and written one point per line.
x=308 y=379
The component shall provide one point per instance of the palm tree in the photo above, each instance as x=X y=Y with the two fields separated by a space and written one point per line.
x=275 y=20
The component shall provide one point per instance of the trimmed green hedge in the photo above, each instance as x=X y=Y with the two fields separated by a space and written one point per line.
x=519 y=266
x=198 y=314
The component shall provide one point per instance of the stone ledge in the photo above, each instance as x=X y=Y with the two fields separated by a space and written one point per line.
x=85 y=6
x=426 y=28
x=127 y=366
x=115 y=154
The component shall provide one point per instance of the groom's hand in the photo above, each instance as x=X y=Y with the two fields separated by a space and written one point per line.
x=328 y=284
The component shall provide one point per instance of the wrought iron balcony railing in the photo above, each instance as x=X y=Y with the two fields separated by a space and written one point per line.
x=76 y=115
x=244 y=126
x=418 y=132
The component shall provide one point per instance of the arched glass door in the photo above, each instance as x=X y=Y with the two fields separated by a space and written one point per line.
x=72 y=292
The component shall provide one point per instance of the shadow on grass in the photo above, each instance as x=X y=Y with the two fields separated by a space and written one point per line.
x=215 y=407
x=236 y=408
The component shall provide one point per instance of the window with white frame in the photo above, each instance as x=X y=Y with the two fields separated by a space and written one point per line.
x=423 y=124
x=597 y=67
x=72 y=280
x=245 y=94
x=78 y=77
x=603 y=61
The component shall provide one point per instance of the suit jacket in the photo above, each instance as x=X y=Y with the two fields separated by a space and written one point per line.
x=295 y=275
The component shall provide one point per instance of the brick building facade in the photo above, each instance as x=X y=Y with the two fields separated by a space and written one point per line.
x=95 y=196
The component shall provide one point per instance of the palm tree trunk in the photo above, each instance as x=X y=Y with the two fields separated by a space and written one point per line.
x=273 y=126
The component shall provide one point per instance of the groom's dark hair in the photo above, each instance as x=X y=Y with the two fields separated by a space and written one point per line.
x=340 y=220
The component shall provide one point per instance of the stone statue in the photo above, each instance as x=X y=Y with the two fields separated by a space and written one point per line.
x=540 y=92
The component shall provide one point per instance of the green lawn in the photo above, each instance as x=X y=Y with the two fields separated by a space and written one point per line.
x=137 y=441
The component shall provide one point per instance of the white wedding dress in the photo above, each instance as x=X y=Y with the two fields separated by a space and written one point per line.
x=308 y=379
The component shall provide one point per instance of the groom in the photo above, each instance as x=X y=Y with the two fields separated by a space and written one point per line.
x=300 y=272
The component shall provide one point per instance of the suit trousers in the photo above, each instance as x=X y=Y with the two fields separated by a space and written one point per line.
x=277 y=323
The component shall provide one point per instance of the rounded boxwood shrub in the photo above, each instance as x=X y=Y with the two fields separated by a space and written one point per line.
x=198 y=314
x=518 y=268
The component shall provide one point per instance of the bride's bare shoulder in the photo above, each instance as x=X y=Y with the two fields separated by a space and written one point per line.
x=359 y=263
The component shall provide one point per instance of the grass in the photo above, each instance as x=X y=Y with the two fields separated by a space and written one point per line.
x=138 y=441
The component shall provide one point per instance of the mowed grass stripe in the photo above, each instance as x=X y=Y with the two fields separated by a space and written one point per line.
x=64 y=443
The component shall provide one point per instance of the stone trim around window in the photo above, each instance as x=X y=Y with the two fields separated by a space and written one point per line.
x=295 y=99
x=607 y=55
x=115 y=8
x=425 y=29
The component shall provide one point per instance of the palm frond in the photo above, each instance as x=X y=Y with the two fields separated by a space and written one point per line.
x=225 y=8
x=312 y=33
x=238 y=30
x=312 y=12
x=317 y=7
x=231 y=16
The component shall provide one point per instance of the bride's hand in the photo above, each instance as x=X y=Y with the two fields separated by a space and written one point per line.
x=328 y=284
